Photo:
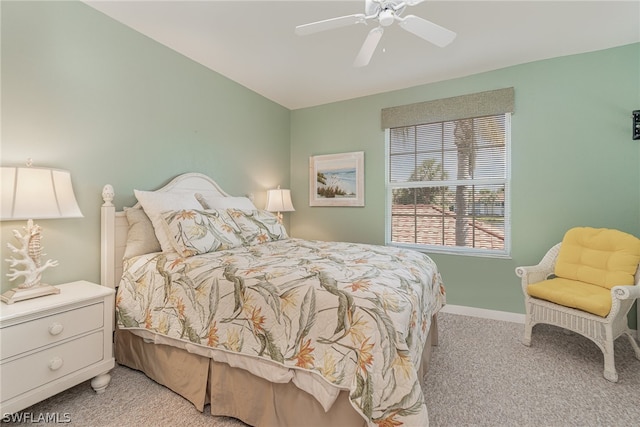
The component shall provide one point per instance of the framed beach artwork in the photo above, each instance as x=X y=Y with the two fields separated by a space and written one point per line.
x=337 y=179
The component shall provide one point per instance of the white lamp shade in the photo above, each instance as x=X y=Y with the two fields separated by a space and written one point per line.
x=37 y=193
x=279 y=200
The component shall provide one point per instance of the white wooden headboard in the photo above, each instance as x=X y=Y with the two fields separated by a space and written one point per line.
x=114 y=225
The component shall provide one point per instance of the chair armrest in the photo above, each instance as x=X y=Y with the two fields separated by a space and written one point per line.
x=631 y=292
x=539 y=272
x=622 y=299
x=533 y=273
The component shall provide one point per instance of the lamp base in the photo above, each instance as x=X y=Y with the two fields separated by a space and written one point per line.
x=21 y=294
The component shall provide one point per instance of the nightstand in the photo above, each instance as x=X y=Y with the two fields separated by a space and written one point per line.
x=52 y=343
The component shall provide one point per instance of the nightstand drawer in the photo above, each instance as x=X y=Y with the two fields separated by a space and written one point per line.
x=37 y=333
x=39 y=368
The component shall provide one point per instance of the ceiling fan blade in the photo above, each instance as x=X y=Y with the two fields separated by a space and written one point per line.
x=368 y=47
x=427 y=30
x=413 y=2
x=329 y=24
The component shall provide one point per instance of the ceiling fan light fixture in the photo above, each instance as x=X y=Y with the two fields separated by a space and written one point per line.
x=386 y=17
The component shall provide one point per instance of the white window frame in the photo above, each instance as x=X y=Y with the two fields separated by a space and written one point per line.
x=455 y=250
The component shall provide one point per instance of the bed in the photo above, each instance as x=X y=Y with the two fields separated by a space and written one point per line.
x=216 y=302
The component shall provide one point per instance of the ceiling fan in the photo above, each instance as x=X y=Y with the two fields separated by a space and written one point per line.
x=385 y=12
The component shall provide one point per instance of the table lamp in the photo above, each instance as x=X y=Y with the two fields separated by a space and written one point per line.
x=279 y=200
x=33 y=193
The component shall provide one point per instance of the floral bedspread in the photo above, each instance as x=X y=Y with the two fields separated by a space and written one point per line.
x=356 y=314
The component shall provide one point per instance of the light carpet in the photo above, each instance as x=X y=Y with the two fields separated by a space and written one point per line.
x=480 y=375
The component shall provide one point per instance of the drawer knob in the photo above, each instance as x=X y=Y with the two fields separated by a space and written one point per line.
x=55 y=363
x=55 y=328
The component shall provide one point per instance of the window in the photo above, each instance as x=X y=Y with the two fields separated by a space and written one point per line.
x=448 y=185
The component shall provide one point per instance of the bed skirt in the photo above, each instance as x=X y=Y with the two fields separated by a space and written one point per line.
x=235 y=392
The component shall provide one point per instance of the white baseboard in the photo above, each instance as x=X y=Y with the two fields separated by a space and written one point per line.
x=483 y=313
x=491 y=314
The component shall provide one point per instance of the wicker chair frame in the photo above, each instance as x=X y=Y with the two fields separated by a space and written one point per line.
x=603 y=331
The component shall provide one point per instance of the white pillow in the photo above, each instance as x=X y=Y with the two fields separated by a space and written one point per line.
x=215 y=201
x=141 y=238
x=154 y=203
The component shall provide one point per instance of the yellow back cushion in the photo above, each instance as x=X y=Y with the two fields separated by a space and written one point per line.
x=599 y=256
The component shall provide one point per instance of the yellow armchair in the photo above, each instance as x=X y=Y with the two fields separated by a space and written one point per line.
x=586 y=284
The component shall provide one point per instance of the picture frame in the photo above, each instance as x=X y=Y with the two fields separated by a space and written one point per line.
x=337 y=179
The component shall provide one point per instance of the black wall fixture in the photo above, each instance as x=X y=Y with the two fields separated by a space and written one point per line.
x=636 y=124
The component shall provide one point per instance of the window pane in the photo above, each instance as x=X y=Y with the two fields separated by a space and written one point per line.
x=429 y=168
x=450 y=165
x=490 y=162
x=403 y=212
x=490 y=130
x=429 y=137
x=402 y=140
x=401 y=166
x=430 y=230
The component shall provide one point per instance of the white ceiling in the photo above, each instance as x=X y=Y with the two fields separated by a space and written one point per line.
x=253 y=42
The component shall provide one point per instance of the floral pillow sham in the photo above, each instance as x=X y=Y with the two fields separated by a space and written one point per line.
x=194 y=232
x=258 y=226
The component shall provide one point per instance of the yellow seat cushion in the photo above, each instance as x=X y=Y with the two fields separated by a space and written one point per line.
x=571 y=293
x=599 y=256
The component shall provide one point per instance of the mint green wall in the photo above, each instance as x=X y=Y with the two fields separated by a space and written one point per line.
x=573 y=163
x=84 y=93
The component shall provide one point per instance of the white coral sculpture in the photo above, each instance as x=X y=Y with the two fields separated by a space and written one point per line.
x=28 y=255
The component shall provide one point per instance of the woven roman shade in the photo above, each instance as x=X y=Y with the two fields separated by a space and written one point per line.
x=493 y=102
